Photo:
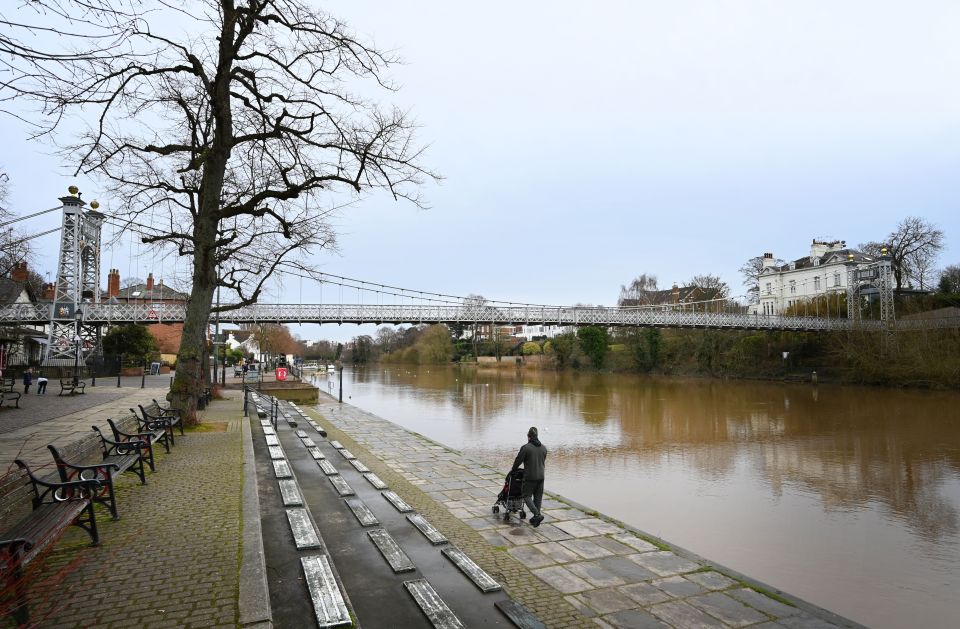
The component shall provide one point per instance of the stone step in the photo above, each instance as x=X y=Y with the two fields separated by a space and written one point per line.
x=327 y=467
x=281 y=469
x=347 y=454
x=360 y=467
x=341 y=485
x=304 y=533
x=374 y=480
x=362 y=511
x=272 y=440
x=429 y=531
x=433 y=607
x=269 y=430
x=474 y=572
x=290 y=493
x=276 y=452
x=519 y=615
x=266 y=422
x=315 y=453
x=391 y=551
x=301 y=433
x=328 y=603
x=307 y=441
x=397 y=501
x=337 y=445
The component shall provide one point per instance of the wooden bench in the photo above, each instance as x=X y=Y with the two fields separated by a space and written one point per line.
x=129 y=428
x=95 y=457
x=68 y=384
x=7 y=394
x=154 y=416
x=34 y=512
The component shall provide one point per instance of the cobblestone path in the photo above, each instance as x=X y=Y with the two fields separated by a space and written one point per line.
x=172 y=560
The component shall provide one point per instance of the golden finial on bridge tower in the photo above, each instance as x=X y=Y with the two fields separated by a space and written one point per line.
x=94 y=204
x=73 y=190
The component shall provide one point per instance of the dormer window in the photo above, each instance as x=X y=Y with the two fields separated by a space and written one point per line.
x=135 y=293
x=793 y=266
x=816 y=262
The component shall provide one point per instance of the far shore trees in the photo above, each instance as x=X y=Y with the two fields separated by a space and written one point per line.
x=228 y=132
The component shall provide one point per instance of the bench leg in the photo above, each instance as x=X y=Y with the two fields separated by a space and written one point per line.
x=20 y=613
x=89 y=523
x=110 y=499
x=153 y=467
x=138 y=470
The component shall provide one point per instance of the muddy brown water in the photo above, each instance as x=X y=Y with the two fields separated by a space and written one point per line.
x=848 y=497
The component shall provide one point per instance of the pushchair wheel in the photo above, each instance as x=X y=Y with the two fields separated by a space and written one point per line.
x=496 y=509
x=523 y=515
x=506 y=516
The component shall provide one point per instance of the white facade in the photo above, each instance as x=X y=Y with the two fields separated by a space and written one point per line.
x=527 y=332
x=823 y=272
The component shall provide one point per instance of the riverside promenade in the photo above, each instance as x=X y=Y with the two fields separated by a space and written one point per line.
x=191 y=546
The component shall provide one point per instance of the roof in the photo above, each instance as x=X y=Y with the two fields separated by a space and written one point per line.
x=139 y=292
x=686 y=294
x=10 y=290
x=831 y=257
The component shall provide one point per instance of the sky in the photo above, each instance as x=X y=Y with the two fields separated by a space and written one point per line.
x=582 y=144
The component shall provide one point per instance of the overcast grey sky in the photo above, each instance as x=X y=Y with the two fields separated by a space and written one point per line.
x=585 y=143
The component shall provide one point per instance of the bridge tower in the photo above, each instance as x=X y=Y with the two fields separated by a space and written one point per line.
x=78 y=283
x=879 y=275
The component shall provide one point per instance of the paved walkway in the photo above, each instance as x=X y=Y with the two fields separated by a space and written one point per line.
x=173 y=558
x=577 y=569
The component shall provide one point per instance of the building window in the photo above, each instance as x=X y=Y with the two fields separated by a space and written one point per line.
x=816 y=284
x=769 y=288
x=793 y=287
x=836 y=279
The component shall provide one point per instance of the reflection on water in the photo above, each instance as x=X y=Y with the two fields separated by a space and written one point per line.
x=845 y=496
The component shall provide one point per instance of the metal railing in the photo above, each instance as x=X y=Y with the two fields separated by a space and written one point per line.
x=39 y=314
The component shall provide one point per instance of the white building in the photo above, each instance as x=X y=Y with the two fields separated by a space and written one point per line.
x=528 y=332
x=823 y=272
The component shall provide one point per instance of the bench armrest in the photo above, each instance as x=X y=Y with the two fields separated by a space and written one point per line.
x=52 y=492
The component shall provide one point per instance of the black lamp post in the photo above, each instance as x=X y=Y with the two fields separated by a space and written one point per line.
x=77 y=317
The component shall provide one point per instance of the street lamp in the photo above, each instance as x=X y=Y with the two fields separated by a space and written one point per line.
x=77 y=319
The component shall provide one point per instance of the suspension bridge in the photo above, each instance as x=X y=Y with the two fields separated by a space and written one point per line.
x=77 y=314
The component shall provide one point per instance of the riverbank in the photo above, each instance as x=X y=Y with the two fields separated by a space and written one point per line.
x=579 y=563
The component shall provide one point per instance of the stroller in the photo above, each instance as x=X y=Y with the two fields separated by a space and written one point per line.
x=511 y=496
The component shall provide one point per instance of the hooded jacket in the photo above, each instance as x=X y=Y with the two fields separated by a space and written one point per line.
x=532 y=457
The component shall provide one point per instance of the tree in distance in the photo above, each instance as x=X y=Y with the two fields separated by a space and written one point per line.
x=132 y=342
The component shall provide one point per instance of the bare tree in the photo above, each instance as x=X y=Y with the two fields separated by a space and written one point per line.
x=639 y=292
x=233 y=143
x=913 y=247
x=950 y=279
x=712 y=284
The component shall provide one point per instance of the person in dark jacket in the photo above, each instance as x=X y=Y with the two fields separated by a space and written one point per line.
x=27 y=381
x=532 y=457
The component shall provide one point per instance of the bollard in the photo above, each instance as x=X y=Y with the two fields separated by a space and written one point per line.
x=93 y=379
x=246 y=391
x=143 y=380
x=118 y=380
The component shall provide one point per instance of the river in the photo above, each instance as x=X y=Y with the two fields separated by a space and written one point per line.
x=848 y=497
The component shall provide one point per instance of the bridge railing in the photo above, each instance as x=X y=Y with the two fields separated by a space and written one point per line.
x=39 y=314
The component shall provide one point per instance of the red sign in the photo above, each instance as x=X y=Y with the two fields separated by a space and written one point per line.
x=281 y=373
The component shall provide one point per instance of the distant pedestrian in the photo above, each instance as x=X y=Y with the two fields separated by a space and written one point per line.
x=533 y=457
x=41 y=385
x=27 y=381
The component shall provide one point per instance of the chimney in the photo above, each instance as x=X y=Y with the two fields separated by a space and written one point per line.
x=19 y=272
x=48 y=290
x=150 y=282
x=768 y=260
x=113 y=283
x=675 y=293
